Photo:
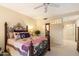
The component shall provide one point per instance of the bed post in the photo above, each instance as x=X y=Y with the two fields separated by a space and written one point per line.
x=47 y=34
x=5 y=28
x=26 y=28
x=31 y=49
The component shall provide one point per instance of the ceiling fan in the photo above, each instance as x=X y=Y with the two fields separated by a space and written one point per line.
x=46 y=5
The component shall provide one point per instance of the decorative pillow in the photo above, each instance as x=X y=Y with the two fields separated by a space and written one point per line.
x=16 y=35
x=24 y=35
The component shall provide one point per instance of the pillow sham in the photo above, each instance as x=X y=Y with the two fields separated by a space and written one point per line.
x=17 y=35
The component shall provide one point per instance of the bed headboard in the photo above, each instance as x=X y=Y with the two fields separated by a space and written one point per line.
x=17 y=28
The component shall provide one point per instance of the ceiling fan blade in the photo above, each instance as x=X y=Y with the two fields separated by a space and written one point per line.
x=54 y=5
x=38 y=6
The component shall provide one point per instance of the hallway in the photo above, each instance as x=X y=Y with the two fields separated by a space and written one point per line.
x=67 y=49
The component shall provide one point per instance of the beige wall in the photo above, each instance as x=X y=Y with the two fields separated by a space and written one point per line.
x=41 y=25
x=69 y=32
x=77 y=23
x=12 y=18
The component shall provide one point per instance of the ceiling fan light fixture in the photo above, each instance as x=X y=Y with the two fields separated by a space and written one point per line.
x=45 y=18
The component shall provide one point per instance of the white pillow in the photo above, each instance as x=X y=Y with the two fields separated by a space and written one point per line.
x=16 y=35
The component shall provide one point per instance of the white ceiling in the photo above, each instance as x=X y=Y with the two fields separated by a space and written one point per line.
x=65 y=9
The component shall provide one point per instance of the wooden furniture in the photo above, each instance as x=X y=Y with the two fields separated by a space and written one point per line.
x=47 y=34
x=6 y=37
x=78 y=41
x=31 y=48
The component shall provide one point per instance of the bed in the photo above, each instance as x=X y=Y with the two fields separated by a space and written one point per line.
x=18 y=42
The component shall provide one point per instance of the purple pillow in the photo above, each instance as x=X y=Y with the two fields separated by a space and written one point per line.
x=24 y=35
x=24 y=48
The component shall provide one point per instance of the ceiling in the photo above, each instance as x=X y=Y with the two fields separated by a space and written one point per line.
x=64 y=9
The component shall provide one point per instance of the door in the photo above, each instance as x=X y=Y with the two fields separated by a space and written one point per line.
x=56 y=34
